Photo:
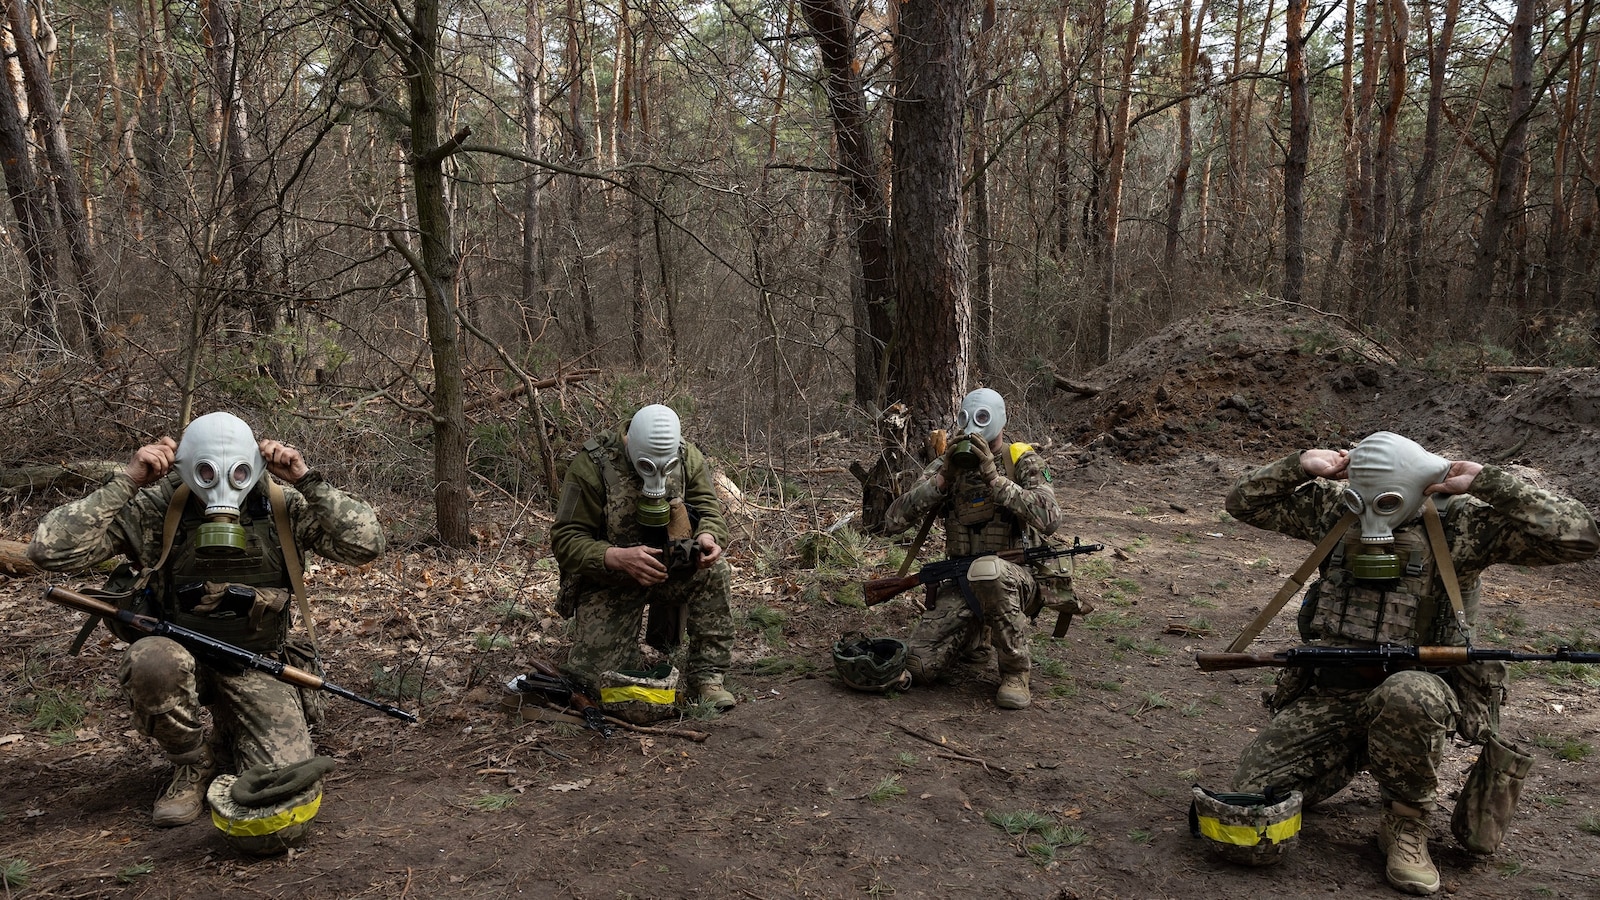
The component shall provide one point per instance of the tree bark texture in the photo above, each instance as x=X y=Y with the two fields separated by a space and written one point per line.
x=1504 y=196
x=28 y=203
x=932 y=349
x=834 y=28
x=1294 y=167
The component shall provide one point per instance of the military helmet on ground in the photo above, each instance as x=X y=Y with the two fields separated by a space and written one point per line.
x=871 y=664
x=1249 y=829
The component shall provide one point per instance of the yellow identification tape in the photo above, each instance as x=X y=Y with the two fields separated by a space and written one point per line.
x=661 y=696
x=1249 y=835
x=272 y=824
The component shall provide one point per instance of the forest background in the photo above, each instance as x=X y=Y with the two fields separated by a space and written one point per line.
x=411 y=228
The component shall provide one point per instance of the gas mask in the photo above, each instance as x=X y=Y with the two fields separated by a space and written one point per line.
x=983 y=413
x=654 y=436
x=220 y=462
x=1387 y=476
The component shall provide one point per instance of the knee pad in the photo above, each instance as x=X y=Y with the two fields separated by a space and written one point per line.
x=984 y=569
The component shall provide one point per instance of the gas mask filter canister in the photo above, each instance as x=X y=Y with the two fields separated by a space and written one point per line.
x=654 y=437
x=983 y=413
x=220 y=462
x=1387 y=476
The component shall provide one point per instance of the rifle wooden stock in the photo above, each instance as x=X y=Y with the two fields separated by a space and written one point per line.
x=882 y=590
x=204 y=645
x=1384 y=655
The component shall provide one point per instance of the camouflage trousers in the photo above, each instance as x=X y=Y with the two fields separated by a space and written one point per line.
x=258 y=718
x=948 y=626
x=605 y=628
x=1322 y=739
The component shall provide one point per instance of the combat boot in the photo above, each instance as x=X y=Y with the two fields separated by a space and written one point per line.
x=915 y=670
x=185 y=798
x=1403 y=837
x=1013 y=693
x=710 y=690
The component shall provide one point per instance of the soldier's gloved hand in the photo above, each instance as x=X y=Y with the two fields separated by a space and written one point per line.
x=986 y=467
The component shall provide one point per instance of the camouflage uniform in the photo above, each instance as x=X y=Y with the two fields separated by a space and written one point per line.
x=979 y=520
x=1329 y=724
x=598 y=510
x=258 y=718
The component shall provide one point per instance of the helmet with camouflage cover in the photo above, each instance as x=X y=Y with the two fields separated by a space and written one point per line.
x=1248 y=829
x=871 y=664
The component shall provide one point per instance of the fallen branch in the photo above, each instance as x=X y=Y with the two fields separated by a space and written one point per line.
x=1081 y=388
x=949 y=754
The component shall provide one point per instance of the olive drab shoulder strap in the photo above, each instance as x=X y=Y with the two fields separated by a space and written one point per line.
x=291 y=556
x=1441 y=558
x=1293 y=583
x=169 y=531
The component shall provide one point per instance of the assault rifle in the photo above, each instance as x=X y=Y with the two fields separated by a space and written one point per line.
x=214 y=650
x=1383 y=655
x=881 y=590
x=547 y=680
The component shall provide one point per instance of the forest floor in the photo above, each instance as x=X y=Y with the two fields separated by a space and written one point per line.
x=808 y=789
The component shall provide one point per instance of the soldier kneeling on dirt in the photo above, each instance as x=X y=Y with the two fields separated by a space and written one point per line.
x=1403 y=571
x=639 y=525
x=994 y=495
x=217 y=544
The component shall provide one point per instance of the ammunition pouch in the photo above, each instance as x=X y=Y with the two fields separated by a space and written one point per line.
x=1489 y=798
x=252 y=618
x=682 y=557
x=125 y=589
x=1292 y=681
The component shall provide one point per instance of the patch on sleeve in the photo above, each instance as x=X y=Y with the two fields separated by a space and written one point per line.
x=1047 y=478
x=570 y=494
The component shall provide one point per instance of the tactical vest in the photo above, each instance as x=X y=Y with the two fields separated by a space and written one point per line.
x=1412 y=609
x=623 y=493
x=261 y=566
x=974 y=523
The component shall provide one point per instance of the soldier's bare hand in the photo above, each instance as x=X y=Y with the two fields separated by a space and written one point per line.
x=710 y=550
x=1457 y=480
x=283 y=461
x=152 y=462
x=1325 y=463
x=643 y=564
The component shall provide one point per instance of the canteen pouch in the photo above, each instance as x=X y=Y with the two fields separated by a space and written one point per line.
x=1489 y=798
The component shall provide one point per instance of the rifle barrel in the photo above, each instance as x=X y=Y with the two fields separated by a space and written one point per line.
x=204 y=644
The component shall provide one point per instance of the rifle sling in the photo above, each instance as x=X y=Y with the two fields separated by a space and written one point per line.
x=1293 y=583
x=169 y=530
x=1441 y=557
x=916 y=545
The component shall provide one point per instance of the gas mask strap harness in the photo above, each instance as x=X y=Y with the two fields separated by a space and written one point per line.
x=291 y=557
x=1293 y=583
x=1441 y=557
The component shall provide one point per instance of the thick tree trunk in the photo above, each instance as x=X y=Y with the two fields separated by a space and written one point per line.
x=983 y=262
x=452 y=501
x=69 y=193
x=1115 y=169
x=1294 y=167
x=28 y=202
x=930 y=255
x=534 y=300
x=1505 y=197
x=834 y=28
x=1422 y=181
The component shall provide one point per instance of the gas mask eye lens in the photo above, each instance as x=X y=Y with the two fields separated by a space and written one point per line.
x=1388 y=502
x=962 y=420
x=205 y=473
x=1352 y=501
x=981 y=418
x=240 y=476
x=645 y=466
